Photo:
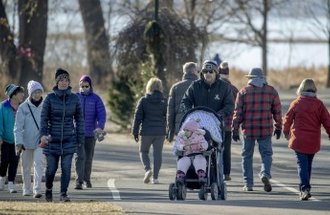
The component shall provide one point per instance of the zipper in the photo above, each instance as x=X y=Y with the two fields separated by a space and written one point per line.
x=62 y=126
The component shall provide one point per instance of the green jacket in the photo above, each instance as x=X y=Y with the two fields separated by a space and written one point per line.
x=7 y=121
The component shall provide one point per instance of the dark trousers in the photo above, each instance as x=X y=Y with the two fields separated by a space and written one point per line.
x=304 y=166
x=227 y=153
x=9 y=161
x=52 y=166
x=84 y=160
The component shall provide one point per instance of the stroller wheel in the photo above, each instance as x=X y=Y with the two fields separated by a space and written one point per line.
x=181 y=191
x=172 y=191
x=223 y=191
x=202 y=194
x=214 y=191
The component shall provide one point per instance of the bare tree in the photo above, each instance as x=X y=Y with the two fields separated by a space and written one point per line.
x=24 y=62
x=97 y=41
x=320 y=10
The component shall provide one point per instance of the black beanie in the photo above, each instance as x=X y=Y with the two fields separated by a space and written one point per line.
x=61 y=71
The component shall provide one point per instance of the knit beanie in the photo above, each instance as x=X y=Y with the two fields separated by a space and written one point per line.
x=11 y=88
x=191 y=125
x=61 y=73
x=33 y=86
x=86 y=78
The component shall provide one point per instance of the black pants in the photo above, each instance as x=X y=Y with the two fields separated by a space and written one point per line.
x=9 y=161
x=227 y=153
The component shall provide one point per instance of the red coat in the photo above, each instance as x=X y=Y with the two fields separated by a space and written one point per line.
x=303 y=123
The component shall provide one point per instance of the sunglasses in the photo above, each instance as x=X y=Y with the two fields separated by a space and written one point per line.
x=207 y=71
x=84 y=86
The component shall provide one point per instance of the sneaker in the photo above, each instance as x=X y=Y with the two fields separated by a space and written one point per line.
x=147 y=176
x=227 y=178
x=37 y=195
x=78 y=186
x=49 y=195
x=2 y=183
x=64 y=198
x=26 y=193
x=88 y=184
x=11 y=187
x=267 y=185
x=155 y=181
x=247 y=188
x=305 y=195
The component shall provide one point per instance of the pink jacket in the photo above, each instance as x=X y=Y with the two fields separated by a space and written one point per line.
x=302 y=124
x=196 y=143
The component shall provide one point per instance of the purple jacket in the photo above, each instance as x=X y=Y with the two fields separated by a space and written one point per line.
x=93 y=111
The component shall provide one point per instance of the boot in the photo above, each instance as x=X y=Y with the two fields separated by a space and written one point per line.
x=201 y=176
x=180 y=176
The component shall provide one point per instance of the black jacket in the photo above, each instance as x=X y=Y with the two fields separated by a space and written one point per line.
x=150 y=115
x=217 y=97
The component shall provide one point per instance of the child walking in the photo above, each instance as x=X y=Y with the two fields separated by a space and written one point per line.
x=302 y=127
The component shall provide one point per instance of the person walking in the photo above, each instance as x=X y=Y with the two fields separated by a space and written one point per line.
x=26 y=131
x=174 y=116
x=9 y=159
x=256 y=106
x=302 y=127
x=209 y=91
x=62 y=130
x=150 y=124
x=94 y=118
x=224 y=75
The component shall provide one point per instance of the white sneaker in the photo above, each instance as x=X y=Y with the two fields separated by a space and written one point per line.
x=2 y=183
x=147 y=176
x=27 y=193
x=11 y=187
x=155 y=181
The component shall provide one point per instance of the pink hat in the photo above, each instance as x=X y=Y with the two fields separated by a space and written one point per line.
x=191 y=125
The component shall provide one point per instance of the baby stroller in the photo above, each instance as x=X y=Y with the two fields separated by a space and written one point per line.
x=215 y=184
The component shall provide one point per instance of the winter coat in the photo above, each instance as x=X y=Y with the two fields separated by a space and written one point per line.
x=93 y=111
x=62 y=118
x=174 y=116
x=7 y=121
x=25 y=130
x=150 y=115
x=196 y=143
x=302 y=123
x=217 y=97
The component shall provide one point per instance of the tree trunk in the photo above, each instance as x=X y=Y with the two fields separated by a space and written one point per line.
x=33 y=16
x=97 y=41
x=7 y=49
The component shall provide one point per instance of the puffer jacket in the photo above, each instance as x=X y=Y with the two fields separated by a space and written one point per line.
x=25 y=130
x=150 y=115
x=196 y=143
x=93 y=111
x=7 y=121
x=62 y=118
x=174 y=116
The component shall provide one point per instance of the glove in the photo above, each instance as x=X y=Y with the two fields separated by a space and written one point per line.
x=236 y=136
x=277 y=133
x=136 y=137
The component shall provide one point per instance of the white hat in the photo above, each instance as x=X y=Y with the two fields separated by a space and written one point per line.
x=33 y=86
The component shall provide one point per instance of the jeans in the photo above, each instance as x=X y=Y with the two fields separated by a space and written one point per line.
x=9 y=161
x=304 y=162
x=52 y=165
x=84 y=160
x=157 y=144
x=227 y=153
x=266 y=152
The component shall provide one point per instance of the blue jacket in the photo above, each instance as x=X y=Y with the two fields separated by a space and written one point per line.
x=62 y=118
x=94 y=112
x=7 y=121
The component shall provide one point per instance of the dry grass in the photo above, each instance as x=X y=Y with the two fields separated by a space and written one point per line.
x=39 y=208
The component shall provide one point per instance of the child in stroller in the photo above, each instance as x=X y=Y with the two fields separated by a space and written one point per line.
x=191 y=142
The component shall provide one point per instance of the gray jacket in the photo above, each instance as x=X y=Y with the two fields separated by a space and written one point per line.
x=25 y=129
x=174 y=116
